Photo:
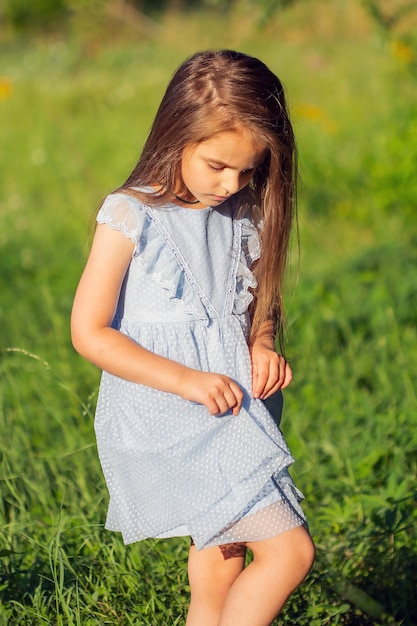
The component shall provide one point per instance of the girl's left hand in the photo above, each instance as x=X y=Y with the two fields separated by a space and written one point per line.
x=270 y=371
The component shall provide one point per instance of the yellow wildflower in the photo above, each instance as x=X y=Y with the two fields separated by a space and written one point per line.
x=5 y=87
x=316 y=114
x=402 y=51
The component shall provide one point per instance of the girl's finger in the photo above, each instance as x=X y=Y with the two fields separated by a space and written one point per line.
x=222 y=404
x=280 y=377
x=287 y=376
x=260 y=379
x=272 y=381
x=237 y=400
x=212 y=406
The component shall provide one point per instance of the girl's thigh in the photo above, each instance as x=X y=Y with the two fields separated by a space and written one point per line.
x=215 y=569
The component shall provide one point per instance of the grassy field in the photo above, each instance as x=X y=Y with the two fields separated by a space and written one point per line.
x=74 y=111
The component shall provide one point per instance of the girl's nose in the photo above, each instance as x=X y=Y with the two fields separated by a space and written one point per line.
x=231 y=182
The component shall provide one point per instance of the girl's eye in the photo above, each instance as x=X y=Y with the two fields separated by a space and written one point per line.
x=219 y=168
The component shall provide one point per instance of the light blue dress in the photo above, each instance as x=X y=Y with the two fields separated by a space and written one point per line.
x=171 y=468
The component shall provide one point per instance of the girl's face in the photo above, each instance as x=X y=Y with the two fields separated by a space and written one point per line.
x=219 y=167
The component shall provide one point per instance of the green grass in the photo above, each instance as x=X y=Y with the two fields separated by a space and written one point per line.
x=71 y=127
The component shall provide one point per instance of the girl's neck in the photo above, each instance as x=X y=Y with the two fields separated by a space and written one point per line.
x=184 y=201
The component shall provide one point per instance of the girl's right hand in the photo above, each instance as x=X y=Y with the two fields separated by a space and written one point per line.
x=217 y=392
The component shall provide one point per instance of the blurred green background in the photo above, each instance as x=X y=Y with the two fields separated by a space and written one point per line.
x=79 y=85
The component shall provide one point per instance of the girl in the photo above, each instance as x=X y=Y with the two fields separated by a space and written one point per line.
x=179 y=304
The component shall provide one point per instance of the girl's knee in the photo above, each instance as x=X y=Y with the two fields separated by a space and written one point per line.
x=306 y=553
x=301 y=550
x=293 y=550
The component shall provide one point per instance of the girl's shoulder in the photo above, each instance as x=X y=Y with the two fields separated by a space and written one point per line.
x=124 y=212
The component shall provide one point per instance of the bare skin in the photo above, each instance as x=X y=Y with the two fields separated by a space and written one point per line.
x=223 y=593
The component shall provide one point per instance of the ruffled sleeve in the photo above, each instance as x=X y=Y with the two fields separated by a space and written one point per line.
x=250 y=252
x=122 y=212
x=154 y=251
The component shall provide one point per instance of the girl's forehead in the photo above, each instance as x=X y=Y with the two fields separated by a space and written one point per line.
x=231 y=145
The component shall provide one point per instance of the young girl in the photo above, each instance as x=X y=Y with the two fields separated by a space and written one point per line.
x=179 y=304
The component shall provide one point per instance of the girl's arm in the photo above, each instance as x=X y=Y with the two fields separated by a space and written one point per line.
x=270 y=371
x=93 y=311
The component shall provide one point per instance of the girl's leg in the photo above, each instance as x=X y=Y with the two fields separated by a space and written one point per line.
x=260 y=591
x=211 y=573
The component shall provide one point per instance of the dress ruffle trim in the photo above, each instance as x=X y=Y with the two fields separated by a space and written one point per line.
x=245 y=280
x=126 y=214
x=159 y=259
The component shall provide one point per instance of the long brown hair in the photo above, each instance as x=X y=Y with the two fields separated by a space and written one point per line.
x=221 y=90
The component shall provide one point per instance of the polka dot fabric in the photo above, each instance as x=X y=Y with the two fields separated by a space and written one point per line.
x=171 y=468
